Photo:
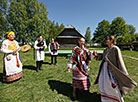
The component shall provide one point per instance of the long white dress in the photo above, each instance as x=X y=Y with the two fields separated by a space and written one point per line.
x=108 y=93
x=12 y=71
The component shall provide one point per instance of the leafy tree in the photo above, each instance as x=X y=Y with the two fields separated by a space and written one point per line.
x=28 y=18
x=119 y=27
x=54 y=29
x=3 y=21
x=127 y=38
x=132 y=29
x=136 y=36
x=131 y=33
x=101 y=32
x=88 y=35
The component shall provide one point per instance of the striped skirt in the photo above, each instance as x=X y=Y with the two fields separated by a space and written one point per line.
x=10 y=78
x=80 y=80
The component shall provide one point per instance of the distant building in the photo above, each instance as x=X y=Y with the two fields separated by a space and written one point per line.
x=68 y=37
x=135 y=45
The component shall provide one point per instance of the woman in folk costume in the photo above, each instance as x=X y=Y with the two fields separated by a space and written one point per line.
x=12 y=65
x=113 y=77
x=40 y=45
x=53 y=47
x=80 y=59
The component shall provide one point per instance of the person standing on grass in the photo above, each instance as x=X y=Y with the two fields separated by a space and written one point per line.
x=113 y=77
x=53 y=47
x=40 y=45
x=80 y=59
x=12 y=65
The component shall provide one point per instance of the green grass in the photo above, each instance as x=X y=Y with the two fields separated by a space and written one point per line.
x=53 y=83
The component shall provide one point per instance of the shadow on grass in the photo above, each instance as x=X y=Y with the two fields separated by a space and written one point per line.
x=29 y=67
x=46 y=63
x=66 y=89
x=1 y=80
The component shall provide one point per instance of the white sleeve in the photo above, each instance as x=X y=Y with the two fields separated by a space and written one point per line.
x=45 y=45
x=69 y=65
x=92 y=56
x=49 y=48
x=35 y=45
x=4 y=47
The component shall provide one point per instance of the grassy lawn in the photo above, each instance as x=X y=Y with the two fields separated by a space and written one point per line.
x=53 y=83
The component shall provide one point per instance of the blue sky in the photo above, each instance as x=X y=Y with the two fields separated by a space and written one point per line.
x=88 y=13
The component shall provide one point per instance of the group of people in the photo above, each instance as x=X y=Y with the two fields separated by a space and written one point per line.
x=12 y=64
x=113 y=79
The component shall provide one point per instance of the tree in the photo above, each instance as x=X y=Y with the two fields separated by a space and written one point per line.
x=132 y=29
x=54 y=29
x=88 y=35
x=101 y=32
x=136 y=36
x=128 y=37
x=28 y=19
x=131 y=32
x=3 y=21
x=119 y=27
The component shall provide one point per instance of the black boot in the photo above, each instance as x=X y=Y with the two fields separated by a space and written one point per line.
x=41 y=62
x=37 y=65
x=51 y=60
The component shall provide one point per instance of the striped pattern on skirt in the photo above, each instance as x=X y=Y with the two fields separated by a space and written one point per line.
x=80 y=80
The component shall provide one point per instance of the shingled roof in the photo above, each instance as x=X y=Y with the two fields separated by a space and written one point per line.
x=69 y=32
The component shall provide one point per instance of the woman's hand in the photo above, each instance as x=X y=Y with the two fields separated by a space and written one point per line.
x=95 y=53
x=69 y=69
x=15 y=52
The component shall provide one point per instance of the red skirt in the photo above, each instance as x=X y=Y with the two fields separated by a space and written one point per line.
x=80 y=80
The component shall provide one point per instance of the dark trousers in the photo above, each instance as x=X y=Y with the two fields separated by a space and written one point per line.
x=52 y=58
x=39 y=65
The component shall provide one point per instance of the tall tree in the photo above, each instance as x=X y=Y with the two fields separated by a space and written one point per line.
x=54 y=29
x=119 y=27
x=128 y=37
x=3 y=21
x=131 y=32
x=88 y=35
x=101 y=32
x=28 y=19
x=136 y=36
x=132 y=29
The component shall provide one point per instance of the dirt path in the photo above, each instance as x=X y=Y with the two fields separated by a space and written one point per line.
x=131 y=57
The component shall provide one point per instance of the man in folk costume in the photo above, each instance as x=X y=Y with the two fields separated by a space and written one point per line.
x=12 y=65
x=113 y=77
x=40 y=45
x=53 y=47
x=80 y=59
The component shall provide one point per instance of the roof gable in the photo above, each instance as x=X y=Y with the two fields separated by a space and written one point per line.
x=70 y=31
